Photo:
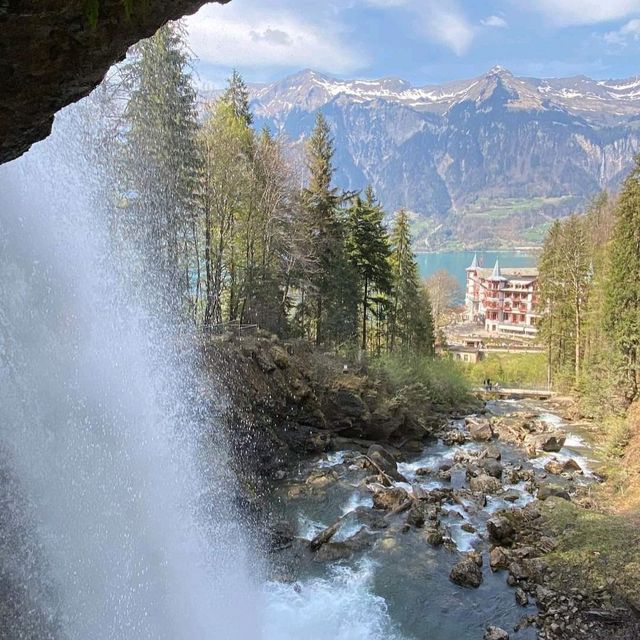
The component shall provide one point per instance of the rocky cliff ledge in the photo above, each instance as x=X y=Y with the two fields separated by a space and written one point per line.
x=288 y=401
x=53 y=53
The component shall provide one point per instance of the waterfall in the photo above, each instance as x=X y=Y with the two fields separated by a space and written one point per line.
x=117 y=524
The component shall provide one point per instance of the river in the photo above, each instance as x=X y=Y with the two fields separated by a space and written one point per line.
x=398 y=587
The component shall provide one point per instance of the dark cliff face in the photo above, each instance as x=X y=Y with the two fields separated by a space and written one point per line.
x=494 y=151
x=53 y=53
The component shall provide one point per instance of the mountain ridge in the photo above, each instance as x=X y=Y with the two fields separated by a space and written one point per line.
x=489 y=160
x=561 y=92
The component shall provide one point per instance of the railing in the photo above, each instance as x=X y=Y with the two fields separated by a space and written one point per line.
x=541 y=392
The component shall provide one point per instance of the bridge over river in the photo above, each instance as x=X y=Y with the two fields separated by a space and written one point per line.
x=515 y=393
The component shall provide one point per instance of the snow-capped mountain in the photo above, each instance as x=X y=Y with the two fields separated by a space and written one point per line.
x=492 y=155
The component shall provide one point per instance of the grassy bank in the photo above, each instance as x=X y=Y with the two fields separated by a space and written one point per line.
x=509 y=370
x=444 y=382
x=599 y=541
x=596 y=550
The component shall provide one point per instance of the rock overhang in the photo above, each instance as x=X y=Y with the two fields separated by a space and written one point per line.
x=53 y=53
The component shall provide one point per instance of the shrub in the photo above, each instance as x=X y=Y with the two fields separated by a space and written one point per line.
x=510 y=370
x=443 y=380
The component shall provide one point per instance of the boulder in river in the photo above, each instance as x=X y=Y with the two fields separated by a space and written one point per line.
x=384 y=460
x=480 y=431
x=453 y=437
x=558 y=467
x=522 y=598
x=466 y=573
x=491 y=451
x=333 y=551
x=418 y=514
x=321 y=477
x=495 y=633
x=500 y=529
x=551 y=491
x=551 y=441
x=485 y=484
x=499 y=558
x=372 y=518
x=492 y=467
x=390 y=499
x=433 y=535
x=510 y=496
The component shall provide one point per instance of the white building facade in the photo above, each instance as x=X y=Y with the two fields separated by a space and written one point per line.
x=504 y=301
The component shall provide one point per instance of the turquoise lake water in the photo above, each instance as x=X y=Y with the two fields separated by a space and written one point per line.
x=457 y=261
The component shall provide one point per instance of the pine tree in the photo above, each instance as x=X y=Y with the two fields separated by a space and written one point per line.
x=600 y=379
x=369 y=251
x=331 y=290
x=411 y=319
x=161 y=161
x=622 y=296
x=552 y=300
x=237 y=95
x=566 y=271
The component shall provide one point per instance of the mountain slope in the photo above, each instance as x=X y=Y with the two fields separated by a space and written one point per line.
x=485 y=160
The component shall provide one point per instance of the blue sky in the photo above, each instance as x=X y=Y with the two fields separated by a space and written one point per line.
x=423 y=41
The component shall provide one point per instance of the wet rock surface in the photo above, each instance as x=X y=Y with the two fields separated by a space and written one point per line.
x=289 y=402
x=463 y=513
x=467 y=573
x=54 y=53
x=495 y=633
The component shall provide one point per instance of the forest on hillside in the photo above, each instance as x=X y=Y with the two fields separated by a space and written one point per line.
x=590 y=300
x=238 y=234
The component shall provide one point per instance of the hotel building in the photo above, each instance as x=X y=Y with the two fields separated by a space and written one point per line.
x=502 y=300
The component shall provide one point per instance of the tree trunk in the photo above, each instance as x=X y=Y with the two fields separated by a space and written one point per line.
x=319 y=321
x=364 y=314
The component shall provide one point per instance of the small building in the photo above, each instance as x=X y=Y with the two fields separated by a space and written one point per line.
x=466 y=354
x=502 y=300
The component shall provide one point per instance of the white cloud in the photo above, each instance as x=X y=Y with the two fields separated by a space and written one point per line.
x=580 y=12
x=445 y=23
x=385 y=4
x=623 y=36
x=441 y=21
x=494 y=21
x=244 y=34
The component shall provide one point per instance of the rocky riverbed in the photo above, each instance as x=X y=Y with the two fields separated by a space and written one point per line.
x=443 y=543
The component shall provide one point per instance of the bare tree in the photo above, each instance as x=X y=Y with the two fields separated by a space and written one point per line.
x=444 y=292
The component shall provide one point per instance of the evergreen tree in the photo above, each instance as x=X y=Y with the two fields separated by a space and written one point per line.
x=331 y=290
x=237 y=95
x=411 y=320
x=622 y=297
x=424 y=333
x=369 y=251
x=566 y=272
x=226 y=185
x=555 y=321
x=161 y=161
x=599 y=384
